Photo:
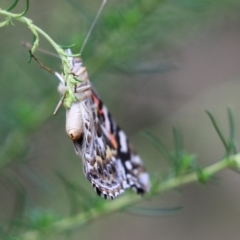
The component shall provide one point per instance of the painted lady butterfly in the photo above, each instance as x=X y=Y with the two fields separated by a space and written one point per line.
x=109 y=162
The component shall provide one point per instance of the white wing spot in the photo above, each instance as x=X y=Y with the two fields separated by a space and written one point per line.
x=123 y=141
x=136 y=160
x=107 y=122
x=144 y=179
x=128 y=165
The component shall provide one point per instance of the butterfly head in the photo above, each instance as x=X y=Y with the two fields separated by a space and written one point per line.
x=77 y=61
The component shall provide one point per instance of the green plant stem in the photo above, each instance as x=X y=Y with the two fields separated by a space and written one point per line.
x=69 y=79
x=34 y=29
x=127 y=200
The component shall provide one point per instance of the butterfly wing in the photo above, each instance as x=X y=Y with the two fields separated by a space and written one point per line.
x=110 y=163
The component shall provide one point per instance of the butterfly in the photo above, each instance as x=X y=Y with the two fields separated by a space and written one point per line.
x=109 y=161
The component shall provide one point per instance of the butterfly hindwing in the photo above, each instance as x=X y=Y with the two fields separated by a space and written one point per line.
x=100 y=165
x=135 y=172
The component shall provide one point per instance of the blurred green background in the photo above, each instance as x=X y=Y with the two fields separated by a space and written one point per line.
x=155 y=64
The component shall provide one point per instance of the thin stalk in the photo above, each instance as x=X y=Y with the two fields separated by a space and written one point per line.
x=69 y=79
x=127 y=200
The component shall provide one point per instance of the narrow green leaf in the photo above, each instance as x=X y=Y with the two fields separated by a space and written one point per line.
x=178 y=142
x=26 y=9
x=4 y=23
x=30 y=56
x=231 y=145
x=86 y=198
x=31 y=51
x=64 y=47
x=12 y=6
x=35 y=42
x=218 y=130
x=157 y=143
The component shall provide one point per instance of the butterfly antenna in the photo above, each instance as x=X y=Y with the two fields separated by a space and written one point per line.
x=93 y=24
x=29 y=46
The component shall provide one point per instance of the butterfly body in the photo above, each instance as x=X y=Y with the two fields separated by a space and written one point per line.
x=109 y=161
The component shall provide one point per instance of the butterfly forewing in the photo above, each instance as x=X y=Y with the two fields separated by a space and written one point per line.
x=109 y=162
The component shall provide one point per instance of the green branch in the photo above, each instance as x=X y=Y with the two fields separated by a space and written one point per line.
x=180 y=175
x=68 y=78
x=127 y=200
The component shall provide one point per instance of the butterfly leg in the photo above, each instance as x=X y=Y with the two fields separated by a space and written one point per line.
x=60 y=103
x=41 y=64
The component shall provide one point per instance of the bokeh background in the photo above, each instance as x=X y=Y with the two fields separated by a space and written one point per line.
x=156 y=64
